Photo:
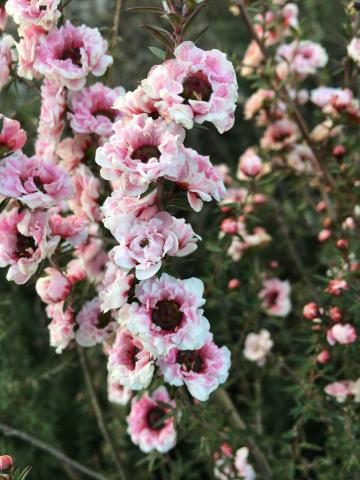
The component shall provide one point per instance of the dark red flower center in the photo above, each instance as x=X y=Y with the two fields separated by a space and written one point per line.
x=104 y=319
x=272 y=298
x=145 y=152
x=144 y=243
x=25 y=246
x=167 y=315
x=39 y=184
x=190 y=360
x=197 y=87
x=155 y=417
x=105 y=112
x=73 y=54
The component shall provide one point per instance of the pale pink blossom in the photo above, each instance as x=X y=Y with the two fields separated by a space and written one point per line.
x=87 y=192
x=260 y=100
x=250 y=163
x=143 y=244
x=354 y=390
x=136 y=103
x=141 y=151
x=229 y=467
x=275 y=297
x=71 y=228
x=26 y=49
x=169 y=314
x=94 y=327
x=55 y=287
x=301 y=158
x=61 y=327
x=258 y=346
x=129 y=364
x=197 y=86
x=7 y=58
x=243 y=468
x=202 y=371
x=341 y=333
x=252 y=59
x=24 y=242
x=12 y=136
x=339 y=390
x=224 y=172
x=337 y=286
x=311 y=311
x=354 y=50
x=323 y=357
x=279 y=135
x=42 y=13
x=117 y=393
x=51 y=123
x=92 y=110
x=335 y=101
x=72 y=150
x=69 y=54
x=34 y=182
x=93 y=258
x=147 y=426
x=302 y=58
x=114 y=290
x=3 y=18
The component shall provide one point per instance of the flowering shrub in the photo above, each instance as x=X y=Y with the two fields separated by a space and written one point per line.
x=106 y=204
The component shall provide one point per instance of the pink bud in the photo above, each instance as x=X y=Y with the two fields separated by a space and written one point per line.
x=6 y=463
x=323 y=357
x=339 y=151
x=335 y=314
x=225 y=209
x=274 y=264
x=321 y=206
x=229 y=226
x=311 y=311
x=324 y=235
x=233 y=283
x=342 y=244
x=341 y=333
x=250 y=165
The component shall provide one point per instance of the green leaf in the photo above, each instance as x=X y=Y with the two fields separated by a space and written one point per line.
x=158 y=52
x=157 y=11
x=161 y=35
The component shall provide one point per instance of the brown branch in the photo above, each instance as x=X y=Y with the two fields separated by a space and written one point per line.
x=98 y=413
x=12 y=432
x=116 y=23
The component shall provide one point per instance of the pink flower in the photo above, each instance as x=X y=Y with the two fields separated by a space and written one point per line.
x=72 y=150
x=202 y=181
x=136 y=103
x=252 y=59
x=24 y=243
x=324 y=235
x=43 y=13
x=114 y=290
x=339 y=390
x=87 y=192
x=61 y=327
x=331 y=100
x=129 y=364
x=197 y=86
x=143 y=244
x=53 y=288
x=202 y=371
x=311 y=311
x=69 y=54
x=227 y=467
x=146 y=424
x=33 y=182
x=229 y=226
x=94 y=327
x=258 y=101
x=258 y=346
x=27 y=48
x=337 y=286
x=51 y=124
x=3 y=18
x=6 y=59
x=301 y=158
x=279 y=135
x=71 y=228
x=234 y=283
x=302 y=58
x=117 y=393
x=250 y=164
x=341 y=333
x=354 y=50
x=275 y=297
x=141 y=151
x=243 y=468
x=12 y=136
x=169 y=315
x=323 y=357
x=92 y=110
x=93 y=258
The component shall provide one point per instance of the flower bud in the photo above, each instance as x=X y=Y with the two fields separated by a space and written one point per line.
x=229 y=226
x=339 y=151
x=324 y=235
x=233 y=283
x=342 y=244
x=250 y=165
x=323 y=357
x=311 y=311
x=6 y=463
x=335 y=314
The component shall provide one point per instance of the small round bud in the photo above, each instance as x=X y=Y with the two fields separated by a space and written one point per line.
x=342 y=244
x=323 y=357
x=327 y=222
x=335 y=314
x=6 y=463
x=233 y=284
x=274 y=264
x=311 y=311
x=321 y=206
x=225 y=209
x=324 y=235
x=339 y=151
x=229 y=226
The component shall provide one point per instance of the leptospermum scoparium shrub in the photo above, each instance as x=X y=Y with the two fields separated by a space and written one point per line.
x=101 y=215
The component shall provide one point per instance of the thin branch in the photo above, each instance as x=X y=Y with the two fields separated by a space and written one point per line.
x=116 y=23
x=12 y=432
x=98 y=413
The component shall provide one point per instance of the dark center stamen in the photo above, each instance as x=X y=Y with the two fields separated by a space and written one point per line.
x=197 y=87
x=190 y=360
x=25 y=246
x=167 y=315
x=74 y=54
x=155 y=417
x=108 y=113
x=104 y=319
x=144 y=243
x=145 y=153
x=272 y=298
x=39 y=184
